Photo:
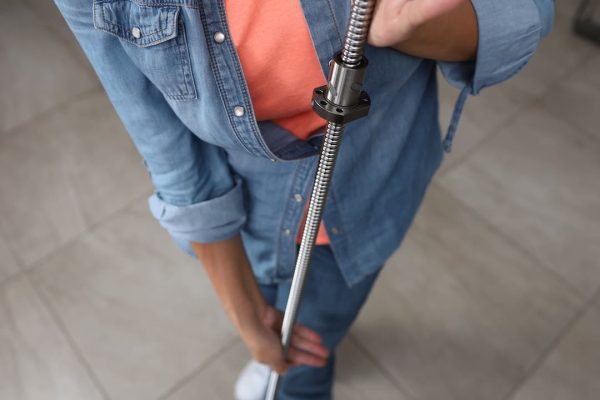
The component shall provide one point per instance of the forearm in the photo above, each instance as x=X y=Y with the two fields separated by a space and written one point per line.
x=450 y=37
x=231 y=275
x=444 y=30
x=259 y=324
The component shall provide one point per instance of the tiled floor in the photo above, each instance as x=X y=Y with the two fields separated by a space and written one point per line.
x=495 y=294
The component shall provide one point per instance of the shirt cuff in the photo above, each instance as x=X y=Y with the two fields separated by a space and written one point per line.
x=509 y=33
x=208 y=221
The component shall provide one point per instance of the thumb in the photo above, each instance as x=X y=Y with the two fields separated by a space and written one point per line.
x=276 y=359
x=280 y=365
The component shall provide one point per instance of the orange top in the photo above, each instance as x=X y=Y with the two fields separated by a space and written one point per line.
x=280 y=65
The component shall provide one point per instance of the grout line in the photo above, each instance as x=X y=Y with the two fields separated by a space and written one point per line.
x=46 y=113
x=23 y=267
x=187 y=378
x=489 y=136
x=595 y=300
x=38 y=264
x=532 y=257
x=4 y=135
x=552 y=346
x=576 y=126
x=398 y=385
x=10 y=278
x=70 y=340
x=587 y=304
x=588 y=59
x=59 y=37
x=13 y=254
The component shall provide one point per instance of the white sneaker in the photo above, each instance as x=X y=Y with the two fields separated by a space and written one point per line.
x=252 y=382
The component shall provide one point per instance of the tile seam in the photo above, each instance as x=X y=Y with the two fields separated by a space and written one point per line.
x=539 y=362
x=388 y=375
x=581 y=297
x=187 y=378
x=82 y=360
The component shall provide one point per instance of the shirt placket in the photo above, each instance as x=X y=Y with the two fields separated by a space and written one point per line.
x=293 y=212
x=234 y=93
x=230 y=79
x=297 y=200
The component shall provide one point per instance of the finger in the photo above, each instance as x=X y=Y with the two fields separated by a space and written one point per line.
x=299 y=357
x=267 y=350
x=307 y=333
x=279 y=365
x=309 y=346
x=281 y=369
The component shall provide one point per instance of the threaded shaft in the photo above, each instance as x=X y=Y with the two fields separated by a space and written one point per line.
x=358 y=29
x=352 y=54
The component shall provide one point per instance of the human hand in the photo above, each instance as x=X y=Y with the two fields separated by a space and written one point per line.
x=395 y=21
x=264 y=343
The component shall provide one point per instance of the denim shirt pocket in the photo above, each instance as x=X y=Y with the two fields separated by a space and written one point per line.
x=154 y=37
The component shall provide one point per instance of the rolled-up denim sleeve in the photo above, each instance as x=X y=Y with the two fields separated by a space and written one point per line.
x=196 y=197
x=210 y=220
x=509 y=33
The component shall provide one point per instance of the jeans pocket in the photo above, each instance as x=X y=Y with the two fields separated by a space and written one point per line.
x=154 y=37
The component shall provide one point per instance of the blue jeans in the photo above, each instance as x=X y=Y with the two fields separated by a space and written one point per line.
x=329 y=307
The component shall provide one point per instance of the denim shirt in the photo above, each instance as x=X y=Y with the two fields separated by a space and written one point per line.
x=217 y=172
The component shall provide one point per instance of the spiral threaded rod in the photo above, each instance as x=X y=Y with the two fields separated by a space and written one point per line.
x=327 y=159
x=352 y=54
x=358 y=29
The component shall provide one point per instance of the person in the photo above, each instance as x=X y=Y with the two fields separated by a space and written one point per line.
x=216 y=97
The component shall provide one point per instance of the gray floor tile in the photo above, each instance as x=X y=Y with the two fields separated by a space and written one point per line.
x=577 y=98
x=38 y=71
x=63 y=173
x=482 y=117
x=50 y=17
x=566 y=8
x=8 y=265
x=217 y=379
x=141 y=311
x=537 y=181
x=469 y=133
x=357 y=377
x=571 y=371
x=36 y=362
x=460 y=313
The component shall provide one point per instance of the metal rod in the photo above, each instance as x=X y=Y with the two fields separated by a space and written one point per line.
x=351 y=56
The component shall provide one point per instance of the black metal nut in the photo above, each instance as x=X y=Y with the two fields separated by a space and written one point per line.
x=338 y=114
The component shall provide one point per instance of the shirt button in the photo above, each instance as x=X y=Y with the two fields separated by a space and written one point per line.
x=287 y=232
x=335 y=231
x=238 y=111
x=298 y=197
x=219 y=37
x=136 y=32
